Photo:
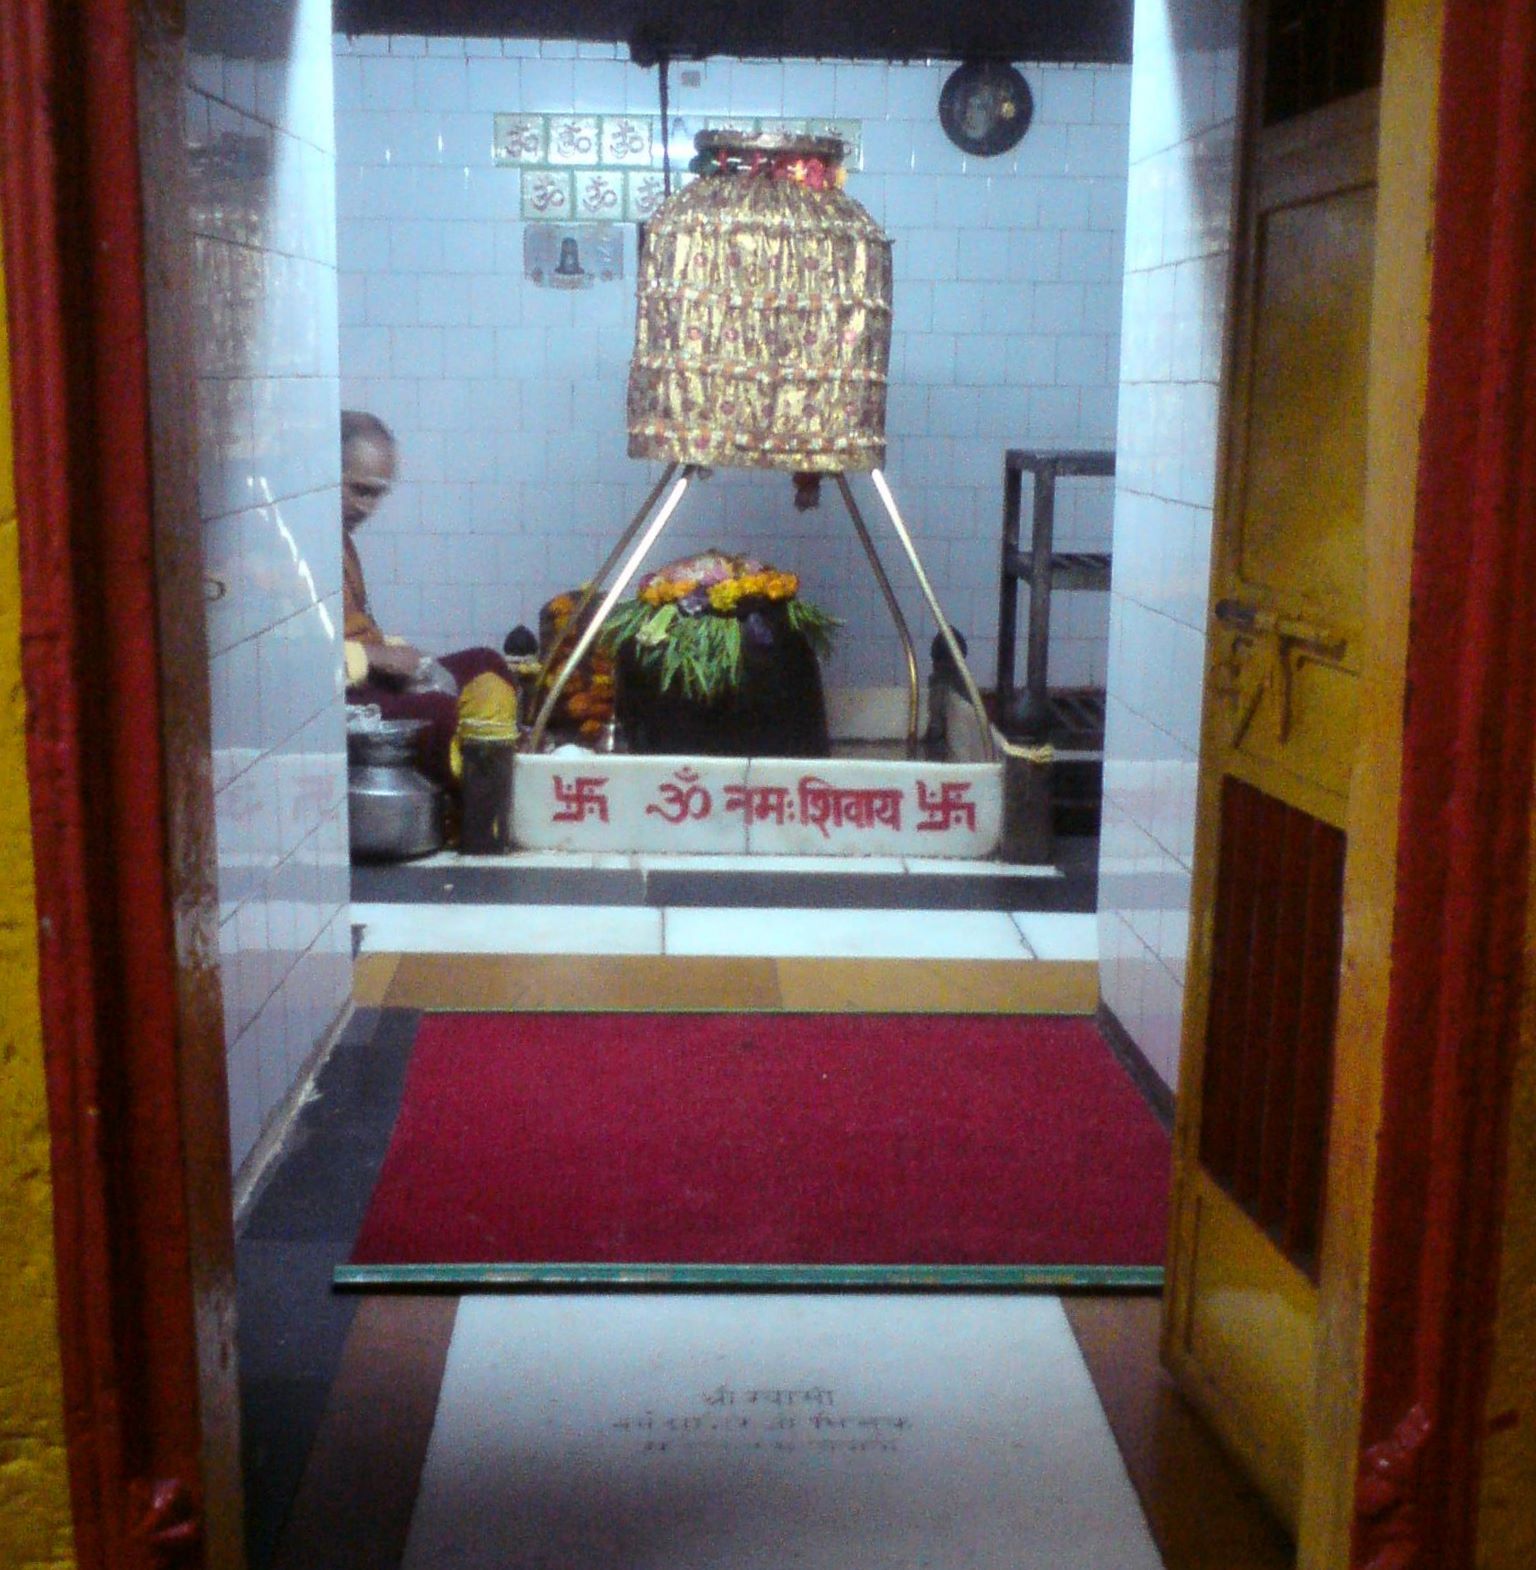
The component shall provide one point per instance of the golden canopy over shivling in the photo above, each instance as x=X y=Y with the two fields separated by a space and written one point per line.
x=763 y=330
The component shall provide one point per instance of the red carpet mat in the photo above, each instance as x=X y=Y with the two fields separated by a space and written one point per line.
x=791 y=1140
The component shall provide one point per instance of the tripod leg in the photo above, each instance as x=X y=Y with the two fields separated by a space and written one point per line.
x=892 y=604
x=594 y=588
x=590 y=632
x=972 y=692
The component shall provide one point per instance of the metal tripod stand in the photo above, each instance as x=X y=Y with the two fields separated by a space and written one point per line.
x=646 y=528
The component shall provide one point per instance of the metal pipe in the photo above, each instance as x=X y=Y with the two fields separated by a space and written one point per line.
x=946 y=632
x=892 y=604
x=590 y=632
x=610 y=561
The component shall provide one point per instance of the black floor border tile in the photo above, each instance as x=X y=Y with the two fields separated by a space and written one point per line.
x=1158 y=1096
x=870 y=891
x=293 y=1323
x=404 y=884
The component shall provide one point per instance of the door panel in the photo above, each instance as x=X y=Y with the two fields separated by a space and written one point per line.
x=1243 y=1296
x=1298 y=534
x=1274 y=1004
x=1276 y=762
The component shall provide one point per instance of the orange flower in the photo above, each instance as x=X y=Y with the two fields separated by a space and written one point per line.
x=664 y=591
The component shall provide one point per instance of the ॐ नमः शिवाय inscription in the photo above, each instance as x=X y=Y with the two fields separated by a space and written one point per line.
x=813 y=802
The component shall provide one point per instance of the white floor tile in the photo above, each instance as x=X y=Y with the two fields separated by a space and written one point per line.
x=534 y=860
x=774 y=932
x=767 y=864
x=698 y=1433
x=979 y=869
x=1059 y=934
x=508 y=929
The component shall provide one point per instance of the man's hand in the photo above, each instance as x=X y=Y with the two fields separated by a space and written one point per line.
x=396 y=662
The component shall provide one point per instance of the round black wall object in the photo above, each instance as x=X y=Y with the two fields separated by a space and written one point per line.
x=985 y=107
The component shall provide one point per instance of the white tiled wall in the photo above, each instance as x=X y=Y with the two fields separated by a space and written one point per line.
x=1178 y=245
x=509 y=400
x=259 y=132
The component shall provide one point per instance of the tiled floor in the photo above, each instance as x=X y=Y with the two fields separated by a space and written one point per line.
x=808 y=882
x=771 y=931
x=342 y=1393
x=768 y=906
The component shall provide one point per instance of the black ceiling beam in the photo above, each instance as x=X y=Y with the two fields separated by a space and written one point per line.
x=1053 y=30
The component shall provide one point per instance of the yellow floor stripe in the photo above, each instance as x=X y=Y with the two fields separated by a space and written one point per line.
x=681 y=983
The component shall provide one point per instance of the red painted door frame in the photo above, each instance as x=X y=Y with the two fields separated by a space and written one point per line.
x=111 y=1010
x=1459 y=937
x=70 y=197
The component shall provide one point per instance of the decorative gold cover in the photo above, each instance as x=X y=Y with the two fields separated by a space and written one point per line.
x=764 y=328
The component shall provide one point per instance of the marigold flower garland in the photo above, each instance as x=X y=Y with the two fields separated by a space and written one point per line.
x=689 y=622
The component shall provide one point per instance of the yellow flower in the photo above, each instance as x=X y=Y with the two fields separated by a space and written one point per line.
x=664 y=591
x=768 y=585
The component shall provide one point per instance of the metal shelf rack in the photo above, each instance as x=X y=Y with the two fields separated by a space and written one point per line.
x=1040 y=715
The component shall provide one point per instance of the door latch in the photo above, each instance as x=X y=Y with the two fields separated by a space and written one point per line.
x=1285 y=637
x=1304 y=637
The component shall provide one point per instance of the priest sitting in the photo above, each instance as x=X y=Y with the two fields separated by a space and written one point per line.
x=387 y=671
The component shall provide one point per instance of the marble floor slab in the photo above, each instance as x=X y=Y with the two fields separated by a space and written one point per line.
x=770 y=932
x=951 y=867
x=508 y=929
x=850 y=934
x=849 y=866
x=753 y=1433
x=1053 y=934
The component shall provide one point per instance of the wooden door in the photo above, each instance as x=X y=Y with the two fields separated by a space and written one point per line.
x=1278 y=731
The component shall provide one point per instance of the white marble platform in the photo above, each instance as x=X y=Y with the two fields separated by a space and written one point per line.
x=820 y=807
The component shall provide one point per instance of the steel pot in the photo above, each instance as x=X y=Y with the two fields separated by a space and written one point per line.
x=393 y=810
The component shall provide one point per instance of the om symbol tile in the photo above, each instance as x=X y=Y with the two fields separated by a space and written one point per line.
x=547 y=193
x=642 y=194
x=600 y=194
x=520 y=138
x=574 y=139
x=626 y=140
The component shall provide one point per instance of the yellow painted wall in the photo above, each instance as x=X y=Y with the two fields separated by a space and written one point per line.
x=35 y=1526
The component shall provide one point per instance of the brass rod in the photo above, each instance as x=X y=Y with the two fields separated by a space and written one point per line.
x=946 y=632
x=590 y=632
x=611 y=560
x=892 y=604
